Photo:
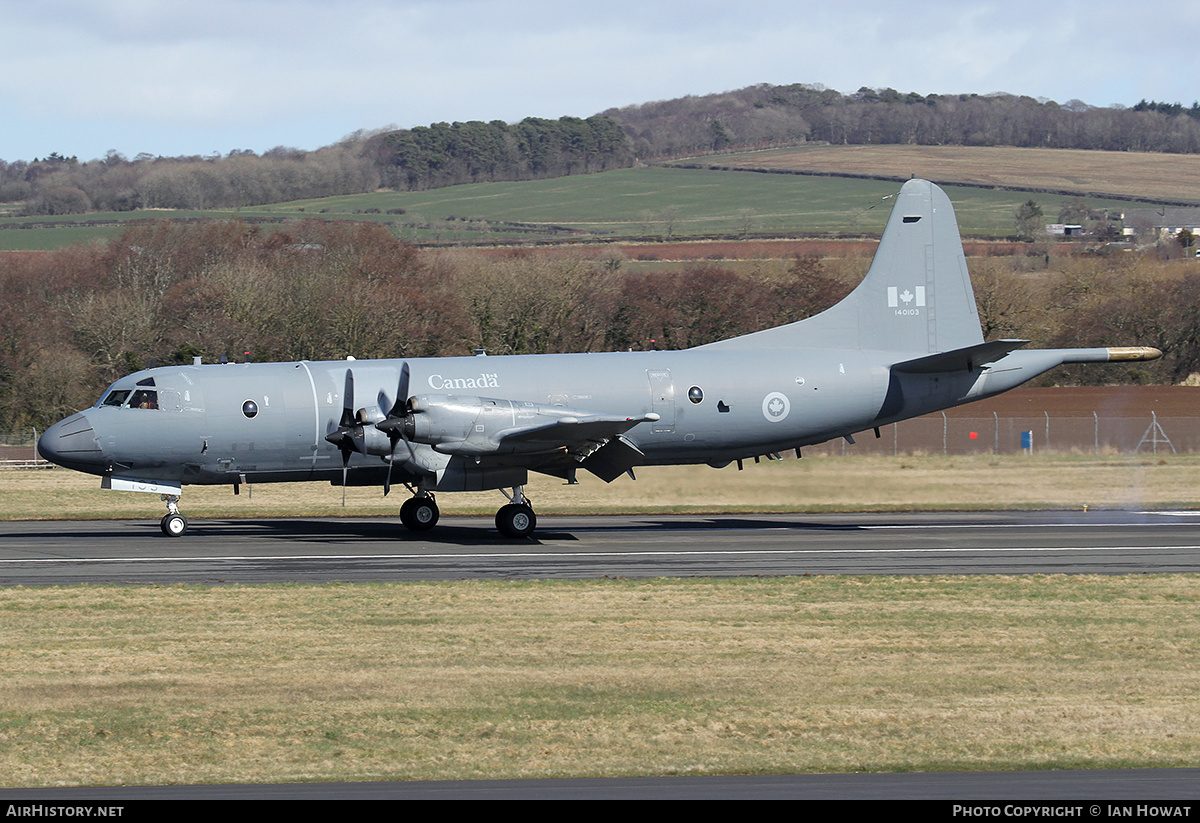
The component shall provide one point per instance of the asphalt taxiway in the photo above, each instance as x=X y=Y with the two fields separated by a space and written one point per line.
x=335 y=549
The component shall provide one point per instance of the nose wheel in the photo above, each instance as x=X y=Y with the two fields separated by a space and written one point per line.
x=173 y=523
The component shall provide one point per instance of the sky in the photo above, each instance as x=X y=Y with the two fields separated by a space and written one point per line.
x=169 y=77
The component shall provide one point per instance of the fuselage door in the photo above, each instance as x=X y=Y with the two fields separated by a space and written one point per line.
x=662 y=399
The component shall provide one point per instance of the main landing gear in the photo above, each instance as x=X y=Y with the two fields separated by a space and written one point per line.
x=420 y=513
x=173 y=523
x=515 y=520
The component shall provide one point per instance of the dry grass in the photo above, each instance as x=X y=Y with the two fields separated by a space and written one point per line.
x=1167 y=176
x=812 y=484
x=491 y=680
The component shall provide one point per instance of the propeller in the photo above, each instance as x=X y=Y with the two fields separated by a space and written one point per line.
x=393 y=425
x=352 y=434
x=343 y=436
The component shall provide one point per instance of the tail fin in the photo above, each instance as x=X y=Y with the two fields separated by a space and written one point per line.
x=916 y=297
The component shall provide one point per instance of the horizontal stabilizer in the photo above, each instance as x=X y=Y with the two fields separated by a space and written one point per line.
x=964 y=359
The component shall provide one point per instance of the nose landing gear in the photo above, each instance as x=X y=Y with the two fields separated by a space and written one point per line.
x=173 y=523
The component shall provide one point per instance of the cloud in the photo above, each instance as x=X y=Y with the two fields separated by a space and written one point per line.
x=170 y=77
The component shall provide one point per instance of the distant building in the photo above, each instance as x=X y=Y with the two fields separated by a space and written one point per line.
x=1065 y=229
x=1162 y=223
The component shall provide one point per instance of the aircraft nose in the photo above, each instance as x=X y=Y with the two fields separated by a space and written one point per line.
x=72 y=444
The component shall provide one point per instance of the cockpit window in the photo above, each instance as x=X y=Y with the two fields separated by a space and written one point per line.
x=144 y=399
x=132 y=399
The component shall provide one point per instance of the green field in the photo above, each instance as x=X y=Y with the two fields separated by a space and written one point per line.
x=656 y=202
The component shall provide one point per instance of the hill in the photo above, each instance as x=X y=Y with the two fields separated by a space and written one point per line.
x=1067 y=172
x=669 y=202
x=445 y=154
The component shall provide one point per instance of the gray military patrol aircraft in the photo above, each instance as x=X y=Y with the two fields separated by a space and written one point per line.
x=905 y=342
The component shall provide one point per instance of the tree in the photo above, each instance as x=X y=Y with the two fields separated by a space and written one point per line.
x=1029 y=220
x=1186 y=239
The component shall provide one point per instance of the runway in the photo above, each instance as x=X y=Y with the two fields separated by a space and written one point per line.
x=360 y=550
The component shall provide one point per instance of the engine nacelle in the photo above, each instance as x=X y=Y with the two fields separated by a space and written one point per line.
x=454 y=424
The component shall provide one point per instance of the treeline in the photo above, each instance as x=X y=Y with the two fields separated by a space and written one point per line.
x=447 y=154
x=1172 y=109
x=64 y=185
x=443 y=154
x=72 y=321
x=767 y=115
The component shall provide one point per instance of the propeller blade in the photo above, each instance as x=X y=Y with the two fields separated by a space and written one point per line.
x=393 y=425
x=348 y=418
x=400 y=407
x=343 y=437
x=345 y=466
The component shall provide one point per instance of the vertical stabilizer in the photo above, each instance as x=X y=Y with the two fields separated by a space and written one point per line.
x=916 y=297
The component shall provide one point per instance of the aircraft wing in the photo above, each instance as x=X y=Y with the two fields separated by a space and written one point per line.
x=594 y=441
x=498 y=432
x=566 y=432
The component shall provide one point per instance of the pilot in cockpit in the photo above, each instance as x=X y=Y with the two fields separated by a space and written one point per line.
x=141 y=399
x=144 y=399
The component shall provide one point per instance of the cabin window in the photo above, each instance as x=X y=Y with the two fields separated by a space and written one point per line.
x=696 y=394
x=250 y=409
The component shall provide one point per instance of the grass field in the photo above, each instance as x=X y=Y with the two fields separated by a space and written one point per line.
x=1125 y=174
x=678 y=202
x=422 y=681
x=856 y=483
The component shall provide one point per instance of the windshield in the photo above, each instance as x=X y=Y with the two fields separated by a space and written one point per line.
x=140 y=399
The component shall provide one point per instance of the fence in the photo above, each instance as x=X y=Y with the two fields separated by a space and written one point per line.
x=1045 y=434
x=18 y=450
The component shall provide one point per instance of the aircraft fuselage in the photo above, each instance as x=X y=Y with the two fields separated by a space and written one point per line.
x=712 y=407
